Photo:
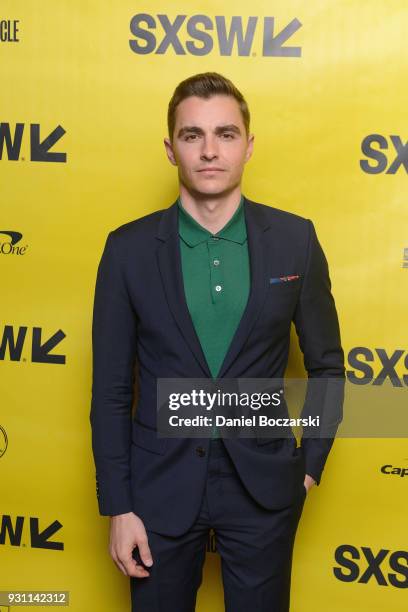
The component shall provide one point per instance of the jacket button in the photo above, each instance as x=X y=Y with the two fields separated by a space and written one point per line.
x=200 y=451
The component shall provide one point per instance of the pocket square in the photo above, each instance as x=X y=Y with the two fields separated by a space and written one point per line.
x=284 y=279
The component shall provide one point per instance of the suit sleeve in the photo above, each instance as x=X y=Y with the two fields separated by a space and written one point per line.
x=114 y=352
x=317 y=327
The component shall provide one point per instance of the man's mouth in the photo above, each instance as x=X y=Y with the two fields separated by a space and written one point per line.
x=211 y=169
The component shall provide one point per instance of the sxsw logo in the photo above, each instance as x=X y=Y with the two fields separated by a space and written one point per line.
x=390 y=162
x=11 y=140
x=199 y=34
x=361 y=372
x=12 y=247
x=36 y=537
x=15 y=341
x=363 y=566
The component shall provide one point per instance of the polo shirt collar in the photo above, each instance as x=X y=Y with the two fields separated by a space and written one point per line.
x=193 y=233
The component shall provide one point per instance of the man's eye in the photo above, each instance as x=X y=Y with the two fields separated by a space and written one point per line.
x=191 y=136
x=227 y=135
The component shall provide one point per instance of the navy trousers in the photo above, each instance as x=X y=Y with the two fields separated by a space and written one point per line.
x=255 y=546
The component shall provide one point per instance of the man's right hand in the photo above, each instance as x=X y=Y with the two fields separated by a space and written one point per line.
x=127 y=532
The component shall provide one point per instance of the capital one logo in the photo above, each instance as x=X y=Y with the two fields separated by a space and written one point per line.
x=11 y=247
x=385 y=567
x=201 y=34
x=3 y=441
x=394 y=470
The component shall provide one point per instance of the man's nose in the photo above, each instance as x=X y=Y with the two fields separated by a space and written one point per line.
x=209 y=149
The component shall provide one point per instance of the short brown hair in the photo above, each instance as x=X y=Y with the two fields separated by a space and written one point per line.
x=205 y=85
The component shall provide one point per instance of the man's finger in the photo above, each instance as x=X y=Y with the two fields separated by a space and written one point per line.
x=144 y=552
x=119 y=564
x=132 y=567
x=139 y=571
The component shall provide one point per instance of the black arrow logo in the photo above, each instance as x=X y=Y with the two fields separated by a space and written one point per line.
x=39 y=150
x=39 y=539
x=40 y=352
x=273 y=45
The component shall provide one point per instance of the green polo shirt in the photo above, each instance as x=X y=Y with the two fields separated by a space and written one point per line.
x=216 y=278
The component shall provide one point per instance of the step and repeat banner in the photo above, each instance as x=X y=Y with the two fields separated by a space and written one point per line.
x=83 y=102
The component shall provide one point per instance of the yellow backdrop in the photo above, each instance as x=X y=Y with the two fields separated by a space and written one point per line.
x=84 y=93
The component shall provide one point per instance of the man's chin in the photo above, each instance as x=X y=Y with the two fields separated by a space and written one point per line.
x=210 y=191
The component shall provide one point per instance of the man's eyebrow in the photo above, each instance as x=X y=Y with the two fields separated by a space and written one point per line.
x=194 y=129
x=191 y=129
x=230 y=127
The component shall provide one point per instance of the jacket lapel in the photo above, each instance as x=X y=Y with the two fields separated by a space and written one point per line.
x=256 y=224
x=169 y=262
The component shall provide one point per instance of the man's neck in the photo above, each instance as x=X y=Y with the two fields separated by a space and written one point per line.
x=213 y=213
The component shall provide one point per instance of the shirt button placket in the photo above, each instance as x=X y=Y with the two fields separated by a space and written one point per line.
x=215 y=272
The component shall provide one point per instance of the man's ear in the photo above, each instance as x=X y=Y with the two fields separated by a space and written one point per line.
x=170 y=151
x=250 y=147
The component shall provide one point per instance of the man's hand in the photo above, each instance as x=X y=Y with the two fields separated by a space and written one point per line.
x=309 y=482
x=128 y=531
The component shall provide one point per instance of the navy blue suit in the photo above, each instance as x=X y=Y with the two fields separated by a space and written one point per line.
x=142 y=330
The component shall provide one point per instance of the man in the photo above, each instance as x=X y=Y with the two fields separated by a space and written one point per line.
x=194 y=291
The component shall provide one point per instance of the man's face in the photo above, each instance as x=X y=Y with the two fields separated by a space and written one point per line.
x=210 y=146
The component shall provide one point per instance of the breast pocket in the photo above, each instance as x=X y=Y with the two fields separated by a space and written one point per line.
x=286 y=282
x=281 y=300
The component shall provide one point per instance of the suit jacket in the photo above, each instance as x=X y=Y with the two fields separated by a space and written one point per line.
x=142 y=328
